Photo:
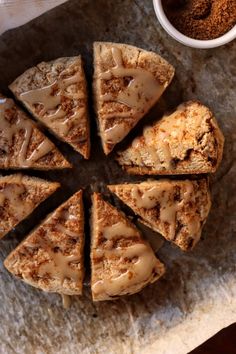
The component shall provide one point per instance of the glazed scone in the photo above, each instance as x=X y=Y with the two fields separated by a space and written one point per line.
x=56 y=94
x=188 y=141
x=51 y=257
x=176 y=209
x=19 y=196
x=128 y=81
x=22 y=144
x=122 y=262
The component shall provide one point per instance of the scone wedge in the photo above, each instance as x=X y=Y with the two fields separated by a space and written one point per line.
x=19 y=196
x=176 y=209
x=188 y=141
x=22 y=144
x=122 y=262
x=56 y=94
x=128 y=81
x=51 y=257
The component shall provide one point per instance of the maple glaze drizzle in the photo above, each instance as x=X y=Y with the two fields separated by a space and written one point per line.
x=138 y=261
x=141 y=93
x=9 y=129
x=142 y=88
x=51 y=98
x=118 y=229
x=66 y=301
x=58 y=265
x=162 y=195
x=157 y=140
x=142 y=263
x=13 y=193
x=115 y=133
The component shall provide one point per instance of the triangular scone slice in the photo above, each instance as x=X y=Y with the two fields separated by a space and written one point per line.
x=56 y=94
x=19 y=196
x=51 y=257
x=128 y=81
x=176 y=209
x=186 y=141
x=122 y=262
x=22 y=144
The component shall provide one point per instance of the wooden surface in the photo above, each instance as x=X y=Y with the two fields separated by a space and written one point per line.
x=223 y=342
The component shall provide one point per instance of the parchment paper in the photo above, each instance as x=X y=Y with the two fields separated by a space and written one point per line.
x=14 y=13
x=196 y=297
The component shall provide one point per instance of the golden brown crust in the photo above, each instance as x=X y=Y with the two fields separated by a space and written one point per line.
x=53 y=251
x=66 y=80
x=112 y=113
x=22 y=144
x=176 y=209
x=189 y=141
x=19 y=196
x=113 y=236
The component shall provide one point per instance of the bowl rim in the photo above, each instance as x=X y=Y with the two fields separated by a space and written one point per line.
x=190 y=42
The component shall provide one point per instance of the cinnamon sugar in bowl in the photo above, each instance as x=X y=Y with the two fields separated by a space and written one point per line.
x=198 y=23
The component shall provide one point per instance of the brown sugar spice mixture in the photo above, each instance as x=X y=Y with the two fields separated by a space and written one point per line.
x=201 y=19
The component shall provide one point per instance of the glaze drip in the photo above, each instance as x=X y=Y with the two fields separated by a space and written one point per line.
x=142 y=91
x=8 y=130
x=52 y=100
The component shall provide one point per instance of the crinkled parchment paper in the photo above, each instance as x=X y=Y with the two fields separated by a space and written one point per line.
x=14 y=13
x=196 y=297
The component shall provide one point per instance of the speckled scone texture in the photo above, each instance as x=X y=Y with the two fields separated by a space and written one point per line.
x=51 y=257
x=188 y=141
x=69 y=93
x=108 y=259
x=19 y=196
x=176 y=209
x=111 y=112
x=22 y=144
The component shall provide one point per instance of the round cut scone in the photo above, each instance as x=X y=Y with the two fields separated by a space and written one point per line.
x=188 y=141
x=176 y=209
x=51 y=257
x=122 y=261
x=56 y=94
x=128 y=81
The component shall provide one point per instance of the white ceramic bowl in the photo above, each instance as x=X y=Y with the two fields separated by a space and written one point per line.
x=190 y=42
